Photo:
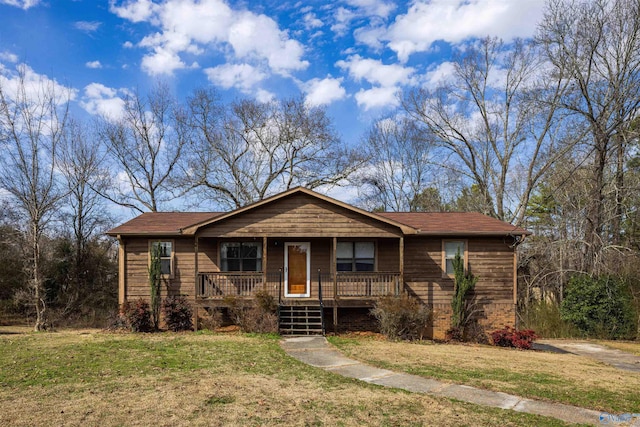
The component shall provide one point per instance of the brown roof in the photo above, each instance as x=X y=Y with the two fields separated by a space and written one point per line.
x=454 y=223
x=430 y=223
x=165 y=223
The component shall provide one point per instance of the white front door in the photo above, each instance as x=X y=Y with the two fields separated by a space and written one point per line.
x=297 y=269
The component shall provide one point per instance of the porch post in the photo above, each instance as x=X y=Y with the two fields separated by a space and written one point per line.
x=264 y=262
x=334 y=273
x=122 y=271
x=401 y=250
x=195 y=294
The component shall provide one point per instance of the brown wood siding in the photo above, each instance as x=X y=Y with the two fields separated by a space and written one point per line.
x=208 y=255
x=490 y=259
x=299 y=216
x=183 y=280
x=388 y=255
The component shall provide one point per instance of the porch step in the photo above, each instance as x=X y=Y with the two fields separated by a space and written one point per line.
x=301 y=319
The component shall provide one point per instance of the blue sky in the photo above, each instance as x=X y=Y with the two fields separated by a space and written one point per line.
x=351 y=56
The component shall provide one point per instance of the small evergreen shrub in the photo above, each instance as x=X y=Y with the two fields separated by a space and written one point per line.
x=510 y=337
x=462 y=307
x=600 y=307
x=401 y=317
x=177 y=313
x=138 y=316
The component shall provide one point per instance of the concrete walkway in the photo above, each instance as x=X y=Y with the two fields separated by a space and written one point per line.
x=616 y=358
x=316 y=351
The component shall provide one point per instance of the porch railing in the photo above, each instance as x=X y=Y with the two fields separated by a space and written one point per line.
x=367 y=284
x=217 y=285
x=239 y=284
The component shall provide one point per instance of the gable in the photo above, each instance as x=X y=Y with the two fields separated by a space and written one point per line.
x=299 y=215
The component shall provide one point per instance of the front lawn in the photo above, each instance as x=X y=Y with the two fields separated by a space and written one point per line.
x=106 y=379
x=565 y=378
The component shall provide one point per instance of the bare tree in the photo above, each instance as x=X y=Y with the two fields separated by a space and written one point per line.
x=33 y=116
x=145 y=147
x=400 y=166
x=497 y=122
x=250 y=150
x=596 y=44
x=82 y=166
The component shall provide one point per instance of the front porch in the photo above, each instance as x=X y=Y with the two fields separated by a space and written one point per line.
x=348 y=289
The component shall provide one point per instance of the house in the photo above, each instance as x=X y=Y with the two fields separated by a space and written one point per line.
x=315 y=254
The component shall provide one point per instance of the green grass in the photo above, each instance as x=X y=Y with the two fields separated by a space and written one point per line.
x=568 y=379
x=97 y=378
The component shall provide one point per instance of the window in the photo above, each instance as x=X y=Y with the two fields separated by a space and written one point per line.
x=355 y=256
x=166 y=256
x=241 y=256
x=449 y=250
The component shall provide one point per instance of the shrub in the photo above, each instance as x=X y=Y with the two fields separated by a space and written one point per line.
x=462 y=307
x=254 y=316
x=138 y=316
x=599 y=307
x=177 y=313
x=545 y=318
x=256 y=319
x=454 y=334
x=401 y=317
x=266 y=301
x=510 y=337
x=210 y=319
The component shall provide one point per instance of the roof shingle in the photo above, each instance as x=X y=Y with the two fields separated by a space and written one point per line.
x=165 y=223
x=454 y=223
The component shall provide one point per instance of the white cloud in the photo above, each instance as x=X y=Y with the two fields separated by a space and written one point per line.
x=373 y=7
x=311 y=21
x=7 y=56
x=127 y=45
x=134 y=10
x=343 y=18
x=377 y=97
x=439 y=74
x=195 y=26
x=264 y=95
x=93 y=64
x=375 y=72
x=162 y=61
x=427 y=21
x=87 y=26
x=323 y=91
x=33 y=83
x=371 y=36
x=102 y=100
x=22 y=4
x=241 y=76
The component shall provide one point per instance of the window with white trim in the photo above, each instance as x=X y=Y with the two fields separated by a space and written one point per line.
x=355 y=256
x=166 y=256
x=241 y=256
x=449 y=250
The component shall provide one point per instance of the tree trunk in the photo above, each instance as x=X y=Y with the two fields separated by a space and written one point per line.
x=595 y=208
x=40 y=303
